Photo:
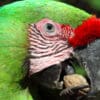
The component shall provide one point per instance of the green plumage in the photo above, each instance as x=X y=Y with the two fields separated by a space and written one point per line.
x=79 y=69
x=14 y=21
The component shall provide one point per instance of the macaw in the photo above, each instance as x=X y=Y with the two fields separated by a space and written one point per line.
x=50 y=32
x=47 y=43
x=14 y=23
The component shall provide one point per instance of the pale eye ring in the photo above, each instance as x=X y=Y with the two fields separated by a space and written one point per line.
x=49 y=28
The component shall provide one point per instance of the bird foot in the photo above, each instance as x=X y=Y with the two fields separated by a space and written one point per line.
x=66 y=91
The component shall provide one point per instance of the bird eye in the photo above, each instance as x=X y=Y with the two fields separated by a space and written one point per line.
x=50 y=28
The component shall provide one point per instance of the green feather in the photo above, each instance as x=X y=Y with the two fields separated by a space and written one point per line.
x=79 y=69
x=14 y=22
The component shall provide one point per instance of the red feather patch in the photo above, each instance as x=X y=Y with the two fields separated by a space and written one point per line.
x=87 y=32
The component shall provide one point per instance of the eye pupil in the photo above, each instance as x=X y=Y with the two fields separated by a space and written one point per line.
x=49 y=26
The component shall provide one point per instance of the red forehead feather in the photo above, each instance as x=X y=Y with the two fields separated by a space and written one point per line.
x=87 y=32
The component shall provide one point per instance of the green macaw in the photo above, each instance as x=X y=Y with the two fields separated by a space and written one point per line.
x=14 y=22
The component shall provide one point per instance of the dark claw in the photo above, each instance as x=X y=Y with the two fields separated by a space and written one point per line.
x=66 y=91
x=70 y=90
x=80 y=87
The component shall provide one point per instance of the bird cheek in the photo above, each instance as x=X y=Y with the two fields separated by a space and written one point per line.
x=71 y=35
x=63 y=36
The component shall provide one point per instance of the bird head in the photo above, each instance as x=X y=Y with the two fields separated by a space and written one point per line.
x=47 y=45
